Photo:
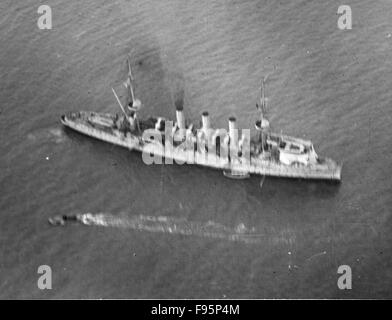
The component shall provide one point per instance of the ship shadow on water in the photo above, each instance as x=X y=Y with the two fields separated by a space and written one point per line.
x=159 y=84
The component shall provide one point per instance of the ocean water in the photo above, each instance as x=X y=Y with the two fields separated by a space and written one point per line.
x=328 y=85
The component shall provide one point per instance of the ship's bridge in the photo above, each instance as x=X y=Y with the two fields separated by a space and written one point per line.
x=293 y=150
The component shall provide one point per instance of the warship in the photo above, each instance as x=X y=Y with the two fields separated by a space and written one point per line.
x=235 y=153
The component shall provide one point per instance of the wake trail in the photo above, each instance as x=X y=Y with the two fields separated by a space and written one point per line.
x=170 y=225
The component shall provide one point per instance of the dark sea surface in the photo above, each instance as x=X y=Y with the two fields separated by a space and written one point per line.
x=331 y=86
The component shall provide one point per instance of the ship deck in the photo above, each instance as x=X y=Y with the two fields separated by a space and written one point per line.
x=104 y=126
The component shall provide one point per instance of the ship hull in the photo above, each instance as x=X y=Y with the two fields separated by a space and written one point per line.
x=329 y=170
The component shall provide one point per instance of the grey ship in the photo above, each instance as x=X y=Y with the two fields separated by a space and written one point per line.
x=237 y=155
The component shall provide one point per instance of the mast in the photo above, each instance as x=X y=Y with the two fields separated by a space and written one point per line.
x=262 y=98
x=129 y=80
x=129 y=68
x=135 y=104
x=131 y=120
x=263 y=122
x=119 y=103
